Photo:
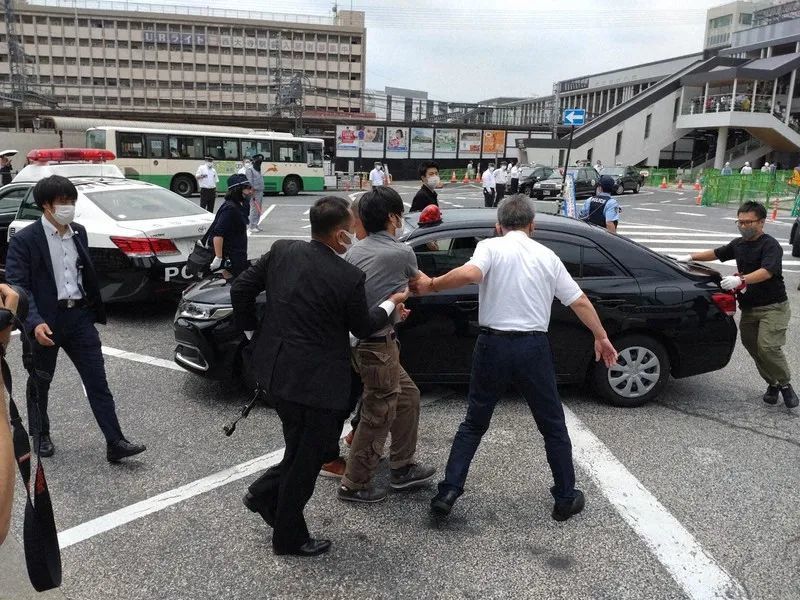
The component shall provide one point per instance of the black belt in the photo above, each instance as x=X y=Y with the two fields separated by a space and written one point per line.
x=381 y=338
x=500 y=332
x=65 y=304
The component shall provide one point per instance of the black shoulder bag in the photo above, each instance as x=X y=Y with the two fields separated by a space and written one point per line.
x=198 y=263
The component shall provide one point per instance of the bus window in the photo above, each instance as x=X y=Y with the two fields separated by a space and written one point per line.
x=223 y=148
x=130 y=145
x=253 y=147
x=156 y=146
x=184 y=146
x=286 y=151
x=313 y=154
x=96 y=138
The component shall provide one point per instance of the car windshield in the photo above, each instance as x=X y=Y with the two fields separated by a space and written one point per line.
x=613 y=171
x=143 y=204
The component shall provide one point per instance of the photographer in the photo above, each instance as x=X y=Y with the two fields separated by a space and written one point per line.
x=8 y=301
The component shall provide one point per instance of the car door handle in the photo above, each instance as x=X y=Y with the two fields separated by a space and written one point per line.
x=466 y=305
x=607 y=301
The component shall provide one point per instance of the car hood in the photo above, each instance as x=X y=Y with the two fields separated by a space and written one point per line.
x=216 y=291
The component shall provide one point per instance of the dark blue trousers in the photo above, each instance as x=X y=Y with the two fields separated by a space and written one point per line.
x=527 y=363
x=75 y=332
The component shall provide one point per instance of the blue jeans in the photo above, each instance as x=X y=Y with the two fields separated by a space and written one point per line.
x=526 y=362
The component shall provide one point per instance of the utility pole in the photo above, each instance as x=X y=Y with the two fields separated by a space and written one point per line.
x=16 y=61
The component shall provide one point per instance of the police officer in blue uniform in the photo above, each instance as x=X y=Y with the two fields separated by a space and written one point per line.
x=601 y=209
x=229 y=230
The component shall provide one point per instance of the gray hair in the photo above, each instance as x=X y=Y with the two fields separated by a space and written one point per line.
x=516 y=212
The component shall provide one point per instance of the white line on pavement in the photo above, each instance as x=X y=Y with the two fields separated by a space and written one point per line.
x=265 y=214
x=280 y=237
x=307 y=211
x=650 y=209
x=675 y=233
x=665 y=201
x=408 y=204
x=698 y=574
x=691 y=214
x=306 y=226
x=141 y=358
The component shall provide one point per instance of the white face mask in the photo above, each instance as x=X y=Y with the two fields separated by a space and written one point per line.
x=351 y=239
x=433 y=181
x=247 y=165
x=64 y=213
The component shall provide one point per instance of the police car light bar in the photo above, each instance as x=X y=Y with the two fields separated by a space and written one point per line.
x=71 y=154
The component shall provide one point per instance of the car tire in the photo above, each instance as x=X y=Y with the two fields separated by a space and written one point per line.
x=183 y=185
x=636 y=189
x=620 y=190
x=627 y=384
x=291 y=185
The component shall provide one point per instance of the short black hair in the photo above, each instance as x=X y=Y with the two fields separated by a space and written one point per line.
x=516 y=212
x=375 y=206
x=425 y=165
x=754 y=207
x=48 y=189
x=329 y=214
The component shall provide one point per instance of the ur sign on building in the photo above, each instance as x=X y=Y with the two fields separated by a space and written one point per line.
x=124 y=61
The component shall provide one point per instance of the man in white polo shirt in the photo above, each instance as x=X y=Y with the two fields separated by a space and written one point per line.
x=518 y=280
x=377 y=176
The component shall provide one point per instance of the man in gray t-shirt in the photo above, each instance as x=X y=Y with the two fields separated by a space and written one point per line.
x=391 y=400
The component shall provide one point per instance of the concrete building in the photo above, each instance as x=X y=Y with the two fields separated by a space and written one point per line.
x=187 y=60
x=724 y=20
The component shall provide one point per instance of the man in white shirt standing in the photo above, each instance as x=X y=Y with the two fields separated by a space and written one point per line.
x=518 y=280
x=377 y=176
x=514 y=172
x=746 y=169
x=207 y=180
x=487 y=180
x=500 y=181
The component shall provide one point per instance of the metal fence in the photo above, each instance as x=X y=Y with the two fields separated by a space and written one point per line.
x=758 y=187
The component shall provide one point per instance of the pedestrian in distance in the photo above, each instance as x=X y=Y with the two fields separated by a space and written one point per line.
x=429 y=175
x=470 y=171
x=377 y=176
x=6 y=170
x=228 y=232
x=518 y=280
x=765 y=167
x=302 y=359
x=500 y=180
x=514 y=174
x=761 y=293
x=489 y=186
x=726 y=170
x=390 y=402
x=601 y=209
x=50 y=260
x=256 y=181
x=207 y=180
x=746 y=169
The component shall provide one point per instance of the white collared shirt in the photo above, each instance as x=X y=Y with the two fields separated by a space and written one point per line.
x=64 y=256
x=376 y=177
x=520 y=279
x=514 y=172
x=501 y=176
x=488 y=179
x=211 y=178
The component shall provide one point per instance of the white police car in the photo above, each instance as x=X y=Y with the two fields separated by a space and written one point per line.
x=140 y=234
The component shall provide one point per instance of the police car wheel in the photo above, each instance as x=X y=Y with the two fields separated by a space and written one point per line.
x=640 y=374
x=620 y=189
x=636 y=189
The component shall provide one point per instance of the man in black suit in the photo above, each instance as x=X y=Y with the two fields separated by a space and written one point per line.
x=302 y=359
x=49 y=259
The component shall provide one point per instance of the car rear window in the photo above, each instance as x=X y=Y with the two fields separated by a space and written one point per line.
x=143 y=203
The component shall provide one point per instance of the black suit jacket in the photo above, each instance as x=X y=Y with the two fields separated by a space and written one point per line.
x=313 y=300
x=28 y=265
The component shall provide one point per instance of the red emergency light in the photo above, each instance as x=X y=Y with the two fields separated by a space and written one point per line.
x=71 y=154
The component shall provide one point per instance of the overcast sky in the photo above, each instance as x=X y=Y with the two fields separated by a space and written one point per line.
x=466 y=50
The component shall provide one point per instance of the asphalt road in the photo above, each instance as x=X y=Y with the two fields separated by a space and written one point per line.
x=691 y=496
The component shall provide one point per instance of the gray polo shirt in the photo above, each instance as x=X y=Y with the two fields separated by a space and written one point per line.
x=388 y=265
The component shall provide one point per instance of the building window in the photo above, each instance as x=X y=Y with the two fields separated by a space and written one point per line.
x=745 y=19
x=723 y=21
x=618 y=147
x=647 y=122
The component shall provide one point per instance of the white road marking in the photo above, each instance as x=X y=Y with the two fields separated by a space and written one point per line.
x=691 y=214
x=665 y=201
x=650 y=209
x=265 y=214
x=282 y=237
x=141 y=358
x=307 y=211
x=306 y=226
x=674 y=233
x=456 y=205
x=408 y=204
x=696 y=571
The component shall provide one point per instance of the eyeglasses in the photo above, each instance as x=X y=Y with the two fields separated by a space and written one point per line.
x=741 y=223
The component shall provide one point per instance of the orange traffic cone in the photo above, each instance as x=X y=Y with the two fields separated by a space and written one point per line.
x=680 y=184
x=452 y=176
x=699 y=199
x=466 y=179
x=663 y=185
x=774 y=210
x=697 y=184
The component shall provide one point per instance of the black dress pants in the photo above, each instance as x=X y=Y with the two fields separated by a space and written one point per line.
x=488 y=197
x=287 y=487
x=356 y=390
x=500 y=193
x=208 y=198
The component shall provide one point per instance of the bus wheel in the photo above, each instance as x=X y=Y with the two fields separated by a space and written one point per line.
x=291 y=186
x=183 y=185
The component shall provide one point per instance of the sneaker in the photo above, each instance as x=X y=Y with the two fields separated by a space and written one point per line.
x=348 y=439
x=334 y=469
x=564 y=510
x=771 y=395
x=366 y=496
x=789 y=397
x=411 y=476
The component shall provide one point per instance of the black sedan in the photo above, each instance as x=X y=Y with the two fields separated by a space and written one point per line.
x=585 y=179
x=531 y=174
x=625 y=178
x=664 y=317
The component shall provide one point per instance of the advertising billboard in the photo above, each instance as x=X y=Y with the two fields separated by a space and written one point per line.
x=371 y=139
x=494 y=143
x=446 y=143
x=421 y=142
x=469 y=143
x=397 y=142
x=347 y=140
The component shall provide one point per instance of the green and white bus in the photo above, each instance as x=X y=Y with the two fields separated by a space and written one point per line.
x=169 y=157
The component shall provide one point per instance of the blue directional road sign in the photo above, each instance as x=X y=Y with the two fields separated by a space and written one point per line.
x=574 y=116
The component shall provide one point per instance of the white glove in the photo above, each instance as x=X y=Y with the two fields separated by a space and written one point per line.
x=216 y=263
x=684 y=257
x=731 y=282
x=249 y=334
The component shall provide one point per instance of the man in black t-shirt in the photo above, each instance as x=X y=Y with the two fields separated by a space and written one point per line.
x=762 y=297
x=429 y=174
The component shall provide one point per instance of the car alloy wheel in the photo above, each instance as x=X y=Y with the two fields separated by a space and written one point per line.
x=636 y=373
x=620 y=189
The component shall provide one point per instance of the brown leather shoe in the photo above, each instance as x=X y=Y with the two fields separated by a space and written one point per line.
x=334 y=469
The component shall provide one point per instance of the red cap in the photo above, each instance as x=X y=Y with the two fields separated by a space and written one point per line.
x=430 y=215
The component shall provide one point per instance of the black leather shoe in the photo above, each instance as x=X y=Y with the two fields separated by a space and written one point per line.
x=564 y=510
x=123 y=449
x=47 y=448
x=442 y=504
x=789 y=397
x=254 y=505
x=311 y=548
x=771 y=395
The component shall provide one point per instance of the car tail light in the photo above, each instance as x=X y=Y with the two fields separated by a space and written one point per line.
x=726 y=302
x=141 y=247
x=71 y=154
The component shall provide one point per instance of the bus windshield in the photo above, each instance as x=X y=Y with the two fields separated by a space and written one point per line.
x=96 y=138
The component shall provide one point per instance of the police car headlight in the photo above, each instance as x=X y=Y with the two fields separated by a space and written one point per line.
x=204 y=312
x=537 y=185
